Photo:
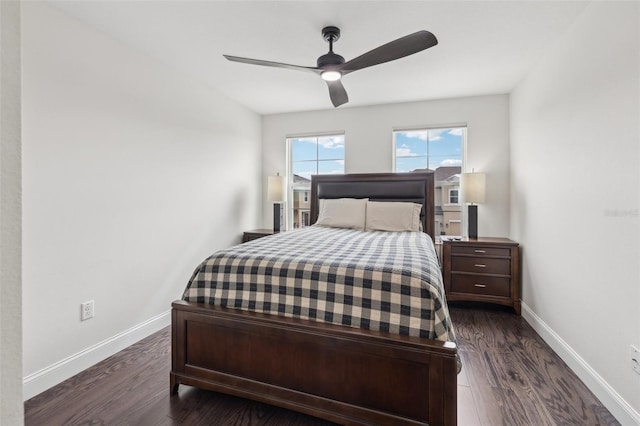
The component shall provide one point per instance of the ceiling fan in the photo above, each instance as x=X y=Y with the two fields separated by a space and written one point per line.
x=332 y=67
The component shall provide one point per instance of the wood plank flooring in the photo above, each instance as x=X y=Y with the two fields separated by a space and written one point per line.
x=509 y=377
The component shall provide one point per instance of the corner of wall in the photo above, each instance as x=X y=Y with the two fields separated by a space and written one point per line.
x=11 y=407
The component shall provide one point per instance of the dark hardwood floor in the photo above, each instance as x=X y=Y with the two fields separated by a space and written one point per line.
x=510 y=377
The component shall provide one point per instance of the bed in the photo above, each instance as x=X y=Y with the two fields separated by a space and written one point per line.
x=325 y=359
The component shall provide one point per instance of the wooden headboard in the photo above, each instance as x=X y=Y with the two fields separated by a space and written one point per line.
x=414 y=187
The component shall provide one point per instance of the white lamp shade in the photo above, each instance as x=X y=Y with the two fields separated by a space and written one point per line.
x=275 y=188
x=473 y=185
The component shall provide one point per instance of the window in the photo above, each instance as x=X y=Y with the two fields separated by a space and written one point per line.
x=310 y=155
x=306 y=218
x=453 y=196
x=440 y=150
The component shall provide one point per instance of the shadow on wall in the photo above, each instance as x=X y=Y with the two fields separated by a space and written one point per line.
x=520 y=234
x=238 y=211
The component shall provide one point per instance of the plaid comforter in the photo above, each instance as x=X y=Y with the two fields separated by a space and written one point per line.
x=386 y=281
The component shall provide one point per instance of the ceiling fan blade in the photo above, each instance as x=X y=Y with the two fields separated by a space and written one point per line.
x=404 y=46
x=337 y=93
x=271 y=64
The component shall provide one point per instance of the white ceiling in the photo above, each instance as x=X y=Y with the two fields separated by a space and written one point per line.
x=485 y=47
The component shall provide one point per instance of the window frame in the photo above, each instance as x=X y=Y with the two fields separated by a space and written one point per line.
x=290 y=184
x=463 y=157
x=456 y=189
x=395 y=130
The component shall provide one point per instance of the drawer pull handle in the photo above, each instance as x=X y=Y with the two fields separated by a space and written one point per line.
x=480 y=251
x=480 y=285
x=480 y=265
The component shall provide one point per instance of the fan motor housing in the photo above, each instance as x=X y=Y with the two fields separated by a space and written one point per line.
x=330 y=59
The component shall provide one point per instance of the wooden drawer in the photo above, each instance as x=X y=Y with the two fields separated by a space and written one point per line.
x=481 y=250
x=485 y=265
x=480 y=284
x=483 y=269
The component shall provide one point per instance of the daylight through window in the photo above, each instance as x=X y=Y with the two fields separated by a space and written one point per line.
x=440 y=150
x=310 y=155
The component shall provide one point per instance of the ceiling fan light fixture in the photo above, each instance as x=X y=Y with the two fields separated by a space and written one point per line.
x=332 y=66
x=331 y=75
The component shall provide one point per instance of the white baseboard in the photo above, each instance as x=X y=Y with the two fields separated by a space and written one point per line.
x=611 y=399
x=41 y=380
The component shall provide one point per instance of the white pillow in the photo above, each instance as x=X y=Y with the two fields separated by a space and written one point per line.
x=393 y=216
x=343 y=213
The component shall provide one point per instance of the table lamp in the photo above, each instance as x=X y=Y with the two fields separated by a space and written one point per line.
x=473 y=189
x=275 y=194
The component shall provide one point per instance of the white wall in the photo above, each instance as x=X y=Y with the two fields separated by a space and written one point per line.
x=574 y=199
x=11 y=407
x=369 y=141
x=133 y=174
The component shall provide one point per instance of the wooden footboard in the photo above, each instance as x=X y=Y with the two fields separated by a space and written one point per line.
x=341 y=374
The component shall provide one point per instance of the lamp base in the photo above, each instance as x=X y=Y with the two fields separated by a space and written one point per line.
x=473 y=221
x=278 y=221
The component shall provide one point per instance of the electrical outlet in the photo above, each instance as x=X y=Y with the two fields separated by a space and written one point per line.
x=86 y=310
x=635 y=359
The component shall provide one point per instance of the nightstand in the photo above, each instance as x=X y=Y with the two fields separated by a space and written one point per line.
x=255 y=234
x=482 y=270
